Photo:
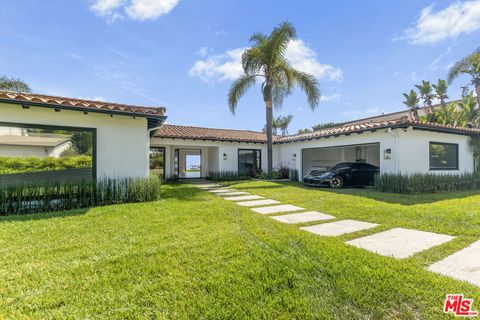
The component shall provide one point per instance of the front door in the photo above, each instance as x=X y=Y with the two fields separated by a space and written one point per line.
x=249 y=162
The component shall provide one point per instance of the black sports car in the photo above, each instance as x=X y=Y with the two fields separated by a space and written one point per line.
x=343 y=174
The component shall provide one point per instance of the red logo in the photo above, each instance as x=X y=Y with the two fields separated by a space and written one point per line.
x=456 y=304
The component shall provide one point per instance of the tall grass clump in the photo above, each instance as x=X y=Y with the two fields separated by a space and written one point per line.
x=426 y=183
x=57 y=196
x=226 y=176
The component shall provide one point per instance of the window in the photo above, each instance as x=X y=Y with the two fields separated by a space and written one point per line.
x=249 y=162
x=37 y=154
x=443 y=156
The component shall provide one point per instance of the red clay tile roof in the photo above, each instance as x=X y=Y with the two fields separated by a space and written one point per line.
x=187 y=132
x=81 y=104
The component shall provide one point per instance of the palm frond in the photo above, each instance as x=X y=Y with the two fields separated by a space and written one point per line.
x=309 y=84
x=238 y=89
x=278 y=41
x=252 y=60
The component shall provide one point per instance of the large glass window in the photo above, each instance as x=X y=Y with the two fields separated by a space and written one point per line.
x=41 y=155
x=249 y=162
x=443 y=156
x=157 y=162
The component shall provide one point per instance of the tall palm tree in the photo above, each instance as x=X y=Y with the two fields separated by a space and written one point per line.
x=469 y=65
x=427 y=95
x=266 y=60
x=13 y=84
x=411 y=101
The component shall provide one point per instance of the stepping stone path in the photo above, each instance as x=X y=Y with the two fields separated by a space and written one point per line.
x=221 y=190
x=242 y=198
x=338 y=228
x=400 y=243
x=257 y=203
x=236 y=193
x=462 y=265
x=277 y=209
x=397 y=243
x=303 y=217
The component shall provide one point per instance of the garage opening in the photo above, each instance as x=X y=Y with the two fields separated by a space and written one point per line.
x=324 y=158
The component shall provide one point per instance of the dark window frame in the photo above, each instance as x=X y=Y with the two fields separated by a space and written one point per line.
x=457 y=156
x=245 y=149
x=66 y=128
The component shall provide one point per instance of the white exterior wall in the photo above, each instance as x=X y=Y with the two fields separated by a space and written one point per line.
x=122 y=142
x=415 y=156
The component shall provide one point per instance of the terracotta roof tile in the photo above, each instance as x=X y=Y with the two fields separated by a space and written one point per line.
x=197 y=133
x=82 y=103
x=188 y=132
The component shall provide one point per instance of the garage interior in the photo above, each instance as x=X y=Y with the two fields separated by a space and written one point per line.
x=326 y=157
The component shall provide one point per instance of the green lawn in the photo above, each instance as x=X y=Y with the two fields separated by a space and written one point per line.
x=194 y=255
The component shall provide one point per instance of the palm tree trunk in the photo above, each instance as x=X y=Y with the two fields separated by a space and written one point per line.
x=477 y=89
x=269 y=118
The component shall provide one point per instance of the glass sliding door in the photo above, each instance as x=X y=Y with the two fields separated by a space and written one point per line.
x=249 y=162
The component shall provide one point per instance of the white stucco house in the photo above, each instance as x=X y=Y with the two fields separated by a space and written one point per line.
x=125 y=136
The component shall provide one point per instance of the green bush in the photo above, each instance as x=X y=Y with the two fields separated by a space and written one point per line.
x=24 y=199
x=425 y=183
x=13 y=165
x=274 y=175
x=225 y=176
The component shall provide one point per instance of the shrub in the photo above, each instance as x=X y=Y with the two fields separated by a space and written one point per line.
x=225 y=176
x=274 y=175
x=425 y=183
x=13 y=165
x=293 y=175
x=24 y=199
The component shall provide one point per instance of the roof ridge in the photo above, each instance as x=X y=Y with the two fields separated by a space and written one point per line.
x=209 y=128
x=81 y=100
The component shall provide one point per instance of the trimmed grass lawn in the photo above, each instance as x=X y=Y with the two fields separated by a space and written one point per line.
x=194 y=255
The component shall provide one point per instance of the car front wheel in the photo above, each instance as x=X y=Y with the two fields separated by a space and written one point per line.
x=336 y=182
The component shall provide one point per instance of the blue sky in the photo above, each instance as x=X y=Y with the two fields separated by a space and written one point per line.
x=183 y=54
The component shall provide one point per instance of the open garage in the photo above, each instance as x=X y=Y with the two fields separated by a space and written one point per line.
x=326 y=157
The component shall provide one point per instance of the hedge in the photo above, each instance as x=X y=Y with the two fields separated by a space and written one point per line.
x=425 y=183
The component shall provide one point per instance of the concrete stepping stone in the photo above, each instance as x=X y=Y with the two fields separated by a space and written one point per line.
x=337 y=228
x=207 y=186
x=400 y=243
x=235 y=193
x=303 y=217
x=462 y=265
x=221 y=190
x=243 y=198
x=277 y=209
x=257 y=203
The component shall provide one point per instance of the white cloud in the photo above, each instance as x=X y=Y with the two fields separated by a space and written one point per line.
x=332 y=97
x=135 y=9
x=203 y=51
x=352 y=114
x=228 y=65
x=456 y=19
x=74 y=56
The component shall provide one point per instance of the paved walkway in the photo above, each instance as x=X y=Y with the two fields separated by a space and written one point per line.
x=398 y=243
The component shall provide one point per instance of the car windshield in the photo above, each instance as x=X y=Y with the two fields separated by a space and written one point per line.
x=341 y=166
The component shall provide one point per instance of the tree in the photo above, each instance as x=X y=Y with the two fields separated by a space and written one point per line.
x=441 y=92
x=283 y=122
x=468 y=111
x=471 y=66
x=13 y=84
x=319 y=127
x=427 y=95
x=411 y=101
x=266 y=60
